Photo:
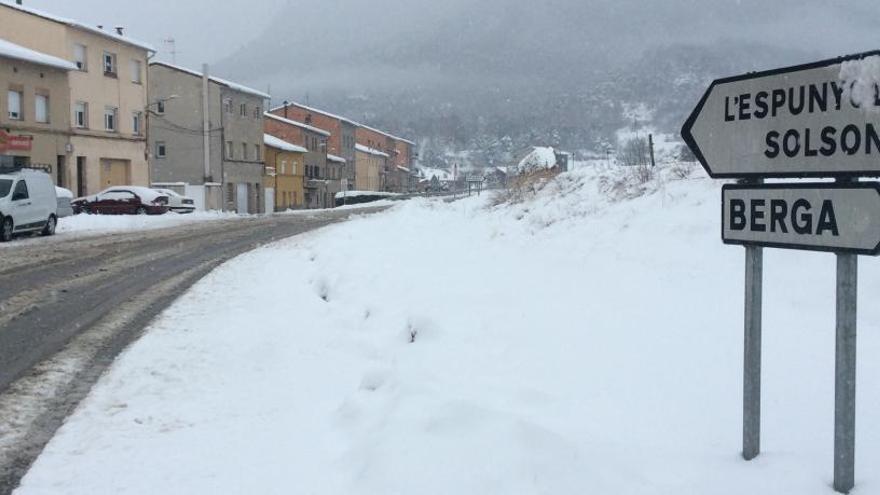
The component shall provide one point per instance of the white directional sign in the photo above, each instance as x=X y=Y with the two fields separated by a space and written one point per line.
x=820 y=119
x=822 y=217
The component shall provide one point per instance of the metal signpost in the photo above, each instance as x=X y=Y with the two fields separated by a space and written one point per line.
x=814 y=120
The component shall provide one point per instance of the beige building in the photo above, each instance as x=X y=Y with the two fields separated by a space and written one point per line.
x=34 y=108
x=108 y=96
x=370 y=165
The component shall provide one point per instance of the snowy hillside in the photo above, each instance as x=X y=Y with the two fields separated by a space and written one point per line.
x=585 y=340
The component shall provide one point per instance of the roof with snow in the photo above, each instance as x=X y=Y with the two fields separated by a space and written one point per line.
x=18 y=52
x=223 y=82
x=344 y=119
x=316 y=110
x=78 y=25
x=403 y=168
x=539 y=157
x=367 y=149
x=334 y=158
x=270 y=140
x=427 y=173
x=297 y=124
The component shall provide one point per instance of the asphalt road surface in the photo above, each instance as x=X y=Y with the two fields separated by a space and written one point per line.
x=68 y=307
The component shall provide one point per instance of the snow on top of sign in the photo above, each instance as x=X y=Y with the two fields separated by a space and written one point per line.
x=862 y=77
x=18 y=52
x=297 y=124
x=334 y=158
x=76 y=24
x=223 y=82
x=270 y=140
x=367 y=149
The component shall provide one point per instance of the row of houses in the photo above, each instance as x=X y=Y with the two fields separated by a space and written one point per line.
x=90 y=106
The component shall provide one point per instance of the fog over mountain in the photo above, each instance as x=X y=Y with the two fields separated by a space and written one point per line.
x=493 y=74
x=504 y=73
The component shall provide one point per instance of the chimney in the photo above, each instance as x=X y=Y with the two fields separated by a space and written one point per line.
x=119 y=30
x=100 y=26
x=286 y=104
x=18 y=2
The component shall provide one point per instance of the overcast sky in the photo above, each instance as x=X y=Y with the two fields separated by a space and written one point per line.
x=213 y=30
x=205 y=30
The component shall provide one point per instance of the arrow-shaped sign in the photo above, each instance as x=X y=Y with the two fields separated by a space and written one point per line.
x=814 y=120
x=822 y=216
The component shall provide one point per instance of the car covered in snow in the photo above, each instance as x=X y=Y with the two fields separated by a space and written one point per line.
x=64 y=196
x=123 y=200
x=177 y=202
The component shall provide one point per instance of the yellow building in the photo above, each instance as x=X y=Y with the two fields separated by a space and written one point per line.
x=284 y=174
x=108 y=96
x=369 y=168
x=34 y=109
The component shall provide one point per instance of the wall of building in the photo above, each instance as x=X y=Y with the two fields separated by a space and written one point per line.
x=49 y=139
x=123 y=146
x=240 y=167
x=288 y=179
x=369 y=167
x=179 y=128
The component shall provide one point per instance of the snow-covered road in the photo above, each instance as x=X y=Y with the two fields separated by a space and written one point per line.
x=580 y=342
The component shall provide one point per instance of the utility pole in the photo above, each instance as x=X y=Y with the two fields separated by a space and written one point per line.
x=206 y=136
x=171 y=42
x=651 y=146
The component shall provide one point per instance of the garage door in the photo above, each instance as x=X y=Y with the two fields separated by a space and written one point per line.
x=114 y=173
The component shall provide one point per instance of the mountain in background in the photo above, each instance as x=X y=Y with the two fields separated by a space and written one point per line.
x=492 y=76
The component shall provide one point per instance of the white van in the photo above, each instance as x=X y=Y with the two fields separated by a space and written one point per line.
x=27 y=204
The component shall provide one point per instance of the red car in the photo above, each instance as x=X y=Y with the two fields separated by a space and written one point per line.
x=123 y=200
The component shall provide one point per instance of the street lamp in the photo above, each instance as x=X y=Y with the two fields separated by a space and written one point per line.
x=159 y=102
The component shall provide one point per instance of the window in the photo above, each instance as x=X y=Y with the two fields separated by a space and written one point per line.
x=14 y=104
x=258 y=110
x=21 y=191
x=41 y=108
x=80 y=56
x=160 y=107
x=257 y=150
x=244 y=153
x=136 y=70
x=110 y=119
x=109 y=64
x=136 y=118
x=242 y=109
x=283 y=167
x=81 y=115
x=229 y=151
x=160 y=149
x=227 y=105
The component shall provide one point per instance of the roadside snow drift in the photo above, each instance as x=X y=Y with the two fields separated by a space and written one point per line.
x=587 y=340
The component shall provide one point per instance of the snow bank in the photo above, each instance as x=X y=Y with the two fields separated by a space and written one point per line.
x=356 y=194
x=99 y=224
x=585 y=341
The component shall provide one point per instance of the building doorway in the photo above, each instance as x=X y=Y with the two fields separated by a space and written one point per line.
x=81 y=176
x=60 y=172
x=241 y=198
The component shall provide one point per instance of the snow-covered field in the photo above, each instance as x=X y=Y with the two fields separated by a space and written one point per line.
x=586 y=341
